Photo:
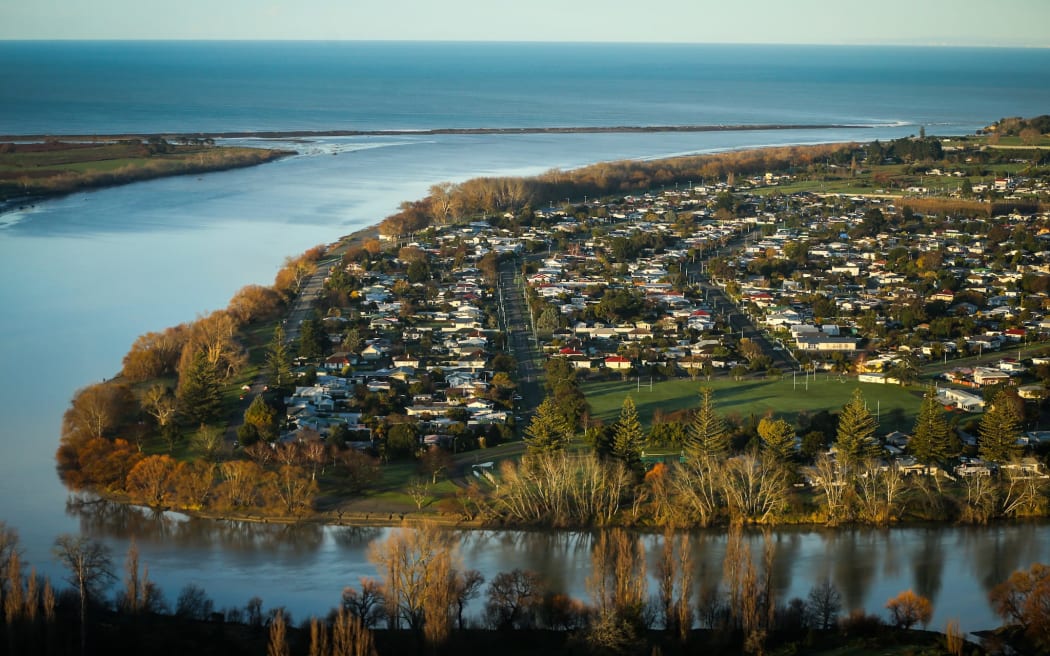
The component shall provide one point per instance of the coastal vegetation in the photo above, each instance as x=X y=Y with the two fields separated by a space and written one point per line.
x=54 y=167
x=423 y=600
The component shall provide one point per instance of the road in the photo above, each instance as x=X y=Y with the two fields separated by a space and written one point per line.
x=521 y=343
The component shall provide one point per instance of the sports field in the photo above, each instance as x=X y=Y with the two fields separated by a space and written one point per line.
x=895 y=406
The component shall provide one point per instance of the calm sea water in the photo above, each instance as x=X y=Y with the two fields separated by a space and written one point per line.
x=78 y=87
x=84 y=275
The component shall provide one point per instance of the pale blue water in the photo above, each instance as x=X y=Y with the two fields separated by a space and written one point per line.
x=82 y=276
x=89 y=87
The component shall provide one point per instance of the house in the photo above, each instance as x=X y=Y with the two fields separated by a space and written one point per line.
x=967 y=401
x=825 y=343
x=617 y=362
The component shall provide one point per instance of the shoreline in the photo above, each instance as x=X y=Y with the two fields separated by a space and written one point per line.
x=286 y=134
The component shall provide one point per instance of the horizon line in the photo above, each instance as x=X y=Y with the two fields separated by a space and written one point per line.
x=873 y=44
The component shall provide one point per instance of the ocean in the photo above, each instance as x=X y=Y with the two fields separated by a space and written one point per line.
x=85 y=274
x=60 y=87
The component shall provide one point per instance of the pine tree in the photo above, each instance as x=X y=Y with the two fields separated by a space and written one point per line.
x=627 y=435
x=778 y=438
x=548 y=430
x=931 y=440
x=709 y=437
x=311 y=338
x=998 y=430
x=278 y=360
x=856 y=432
x=200 y=393
x=263 y=418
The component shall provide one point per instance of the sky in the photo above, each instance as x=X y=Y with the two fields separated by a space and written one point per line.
x=1024 y=23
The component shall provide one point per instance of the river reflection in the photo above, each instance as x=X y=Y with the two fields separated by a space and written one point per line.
x=305 y=566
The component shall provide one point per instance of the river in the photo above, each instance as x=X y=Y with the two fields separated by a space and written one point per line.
x=84 y=275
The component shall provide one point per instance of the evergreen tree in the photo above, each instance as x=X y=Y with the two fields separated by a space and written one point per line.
x=311 y=338
x=278 y=360
x=548 y=430
x=931 y=440
x=778 y=438
x=855 y=439
x=627 y=435
x=200 y=393
x=709 y=437
x=999 y=429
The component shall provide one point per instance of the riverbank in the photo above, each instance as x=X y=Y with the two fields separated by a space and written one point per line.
x=31 y=172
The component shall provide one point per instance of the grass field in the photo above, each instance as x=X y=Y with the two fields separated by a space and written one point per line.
x=896 y=406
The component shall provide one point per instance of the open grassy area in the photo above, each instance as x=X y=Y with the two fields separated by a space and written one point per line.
x=58 y=167
x=896 y=406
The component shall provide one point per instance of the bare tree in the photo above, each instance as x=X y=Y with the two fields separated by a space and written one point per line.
x=824 y=604
x=697 y=483
x=410 y=563
x=513 y=599
x=90 y=571
x=755 y=488
x=368 y=605
x=278 y=644
x=830 y=478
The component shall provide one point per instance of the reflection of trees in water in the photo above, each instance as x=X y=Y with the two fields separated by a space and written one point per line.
x=356 y=537
x=928 y=563
x=852 y=552
x=998 y=551
x=107 y=519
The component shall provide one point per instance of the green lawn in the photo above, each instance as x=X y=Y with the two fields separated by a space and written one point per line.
x=896 y=406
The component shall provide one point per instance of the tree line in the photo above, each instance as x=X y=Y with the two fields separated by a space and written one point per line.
x=424 y=600
x=703 y=478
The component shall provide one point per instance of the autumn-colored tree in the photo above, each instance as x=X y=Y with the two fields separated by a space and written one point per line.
x=415 y=566
x=152 y=481
x=1024 y=599
x=255 y=303
x=95 y=411
x=155 y=354
x=908 y=609
x=214 y=335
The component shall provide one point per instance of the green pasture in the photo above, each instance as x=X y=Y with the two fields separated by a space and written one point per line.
x=895 y=406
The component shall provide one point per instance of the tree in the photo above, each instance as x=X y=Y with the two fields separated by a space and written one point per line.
x=931 y=439
x=208 y=441
x=278 y=644
x=855 y=439
x=513 y=598
x=160 y=403
x=311 y=338
x=627 y=435
x=278 y=360
x=200 y=393
x=908 y=609
x=778 y=438
x=264 y=418
x=415 y=568
x=999 y=429
x=709 y=437
x=193 y=603
x=548 y=431
x=95 y=411
x=824 y=604
x=1024 y=599
x=90 y=572
x=152 y=480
